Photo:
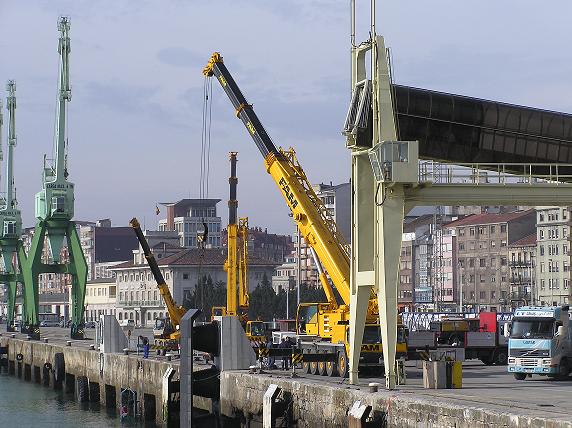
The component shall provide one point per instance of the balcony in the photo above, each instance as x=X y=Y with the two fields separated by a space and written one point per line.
x=141 y=303
x=520 y=264
x=520 y=296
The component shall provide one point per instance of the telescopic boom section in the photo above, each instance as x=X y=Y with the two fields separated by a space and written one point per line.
x=175 y=312
x=243 y=297
x=317 y=228
x=232 y=236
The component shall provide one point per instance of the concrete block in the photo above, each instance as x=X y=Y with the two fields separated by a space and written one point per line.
x=110 y=338
x=268 y=409
x=236 y=351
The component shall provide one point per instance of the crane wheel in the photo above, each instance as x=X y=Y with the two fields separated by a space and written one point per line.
x=322 y=368
x=331 y=368
x=343 y=365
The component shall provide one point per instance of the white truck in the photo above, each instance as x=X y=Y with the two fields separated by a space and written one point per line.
x=540 y=342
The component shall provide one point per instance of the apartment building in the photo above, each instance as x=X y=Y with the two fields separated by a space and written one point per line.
x=482 y=257
x=188 y=218
x=553 y=255
x=522 y=265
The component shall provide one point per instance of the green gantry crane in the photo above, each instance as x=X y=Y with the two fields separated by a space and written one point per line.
x=11 y=248
x=54 y=213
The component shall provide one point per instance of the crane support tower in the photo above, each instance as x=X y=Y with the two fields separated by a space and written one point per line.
x=54 y=212
x=10 y=217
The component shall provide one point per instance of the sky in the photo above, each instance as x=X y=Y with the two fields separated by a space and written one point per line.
x=137 y=88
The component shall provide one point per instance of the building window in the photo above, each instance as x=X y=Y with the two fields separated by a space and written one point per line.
x=493 y=296
x=482 y=295
x=540 y=217
x=493 y=244
x=541 y=234
x=148 y=316
x=493 y=261
x=185 y=276
x=482 y=278
x=503 y=228
x=120 y=316
x=503 y=261
x=472 y=231
x=542 y=250
x=493 y=278
x=482 y=262
x=493 y=229
x=471 y=262
x=461 y=246
x=481 y=230
x=461 y=231
x=503 y=243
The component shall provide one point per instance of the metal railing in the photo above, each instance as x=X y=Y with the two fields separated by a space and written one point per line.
x=480 y=174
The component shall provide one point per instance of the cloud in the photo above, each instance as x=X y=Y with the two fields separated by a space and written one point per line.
x=180 y=57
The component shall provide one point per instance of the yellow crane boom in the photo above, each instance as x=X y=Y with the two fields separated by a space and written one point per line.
x=175 y=311
x=316 y=226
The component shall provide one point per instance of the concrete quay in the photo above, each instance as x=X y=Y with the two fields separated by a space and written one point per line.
x=93 y=376
x=490 y=398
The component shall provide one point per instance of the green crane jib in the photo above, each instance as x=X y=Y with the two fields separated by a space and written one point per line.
x=11 y=247
x=54 y=213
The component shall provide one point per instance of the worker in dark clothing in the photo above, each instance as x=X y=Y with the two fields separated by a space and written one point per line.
x=285 y=344
x=146 y=348
x=271 y=361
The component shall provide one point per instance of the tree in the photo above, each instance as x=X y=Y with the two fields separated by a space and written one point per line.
x=205 y=296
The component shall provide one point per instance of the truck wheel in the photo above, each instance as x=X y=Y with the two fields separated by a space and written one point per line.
x=314 y=368
x=563 y=369
x=343 y=366
x=305 y=367
x=520 y=376
x=331 y=368
x=501 y=357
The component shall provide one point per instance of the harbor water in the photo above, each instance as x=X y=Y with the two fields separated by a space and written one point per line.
x=24 y=404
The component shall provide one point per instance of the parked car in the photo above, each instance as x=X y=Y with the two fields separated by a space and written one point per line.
x=127 y=323
x=46 y=323
x=90 y=324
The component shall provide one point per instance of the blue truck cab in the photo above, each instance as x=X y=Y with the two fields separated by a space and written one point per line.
x=540 y=342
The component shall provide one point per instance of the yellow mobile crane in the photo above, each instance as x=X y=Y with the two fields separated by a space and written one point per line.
x=325 y=321
x=168 y=335
x=236 y=265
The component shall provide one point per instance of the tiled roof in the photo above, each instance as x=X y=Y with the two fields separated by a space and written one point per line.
x=488 y=218
x=527 y=240
x=196 y=257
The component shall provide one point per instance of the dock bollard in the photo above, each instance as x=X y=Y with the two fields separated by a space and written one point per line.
x=45 y=340
x=68 y=343
x=169 y=357
x=13 y=336
x=125 y=351
x=92 y=347
x=373 y=387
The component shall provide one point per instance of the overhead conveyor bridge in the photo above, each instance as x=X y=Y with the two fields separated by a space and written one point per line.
x=465 y=130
